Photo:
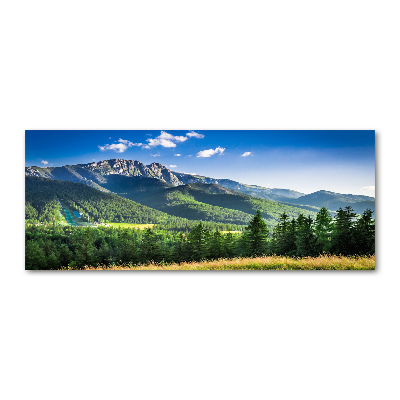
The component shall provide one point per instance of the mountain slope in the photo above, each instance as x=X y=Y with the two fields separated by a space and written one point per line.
x=216 y=203
x=252 y=190
x=333 y=201
x=100 y=175
x=134 y=180
x=41 y=204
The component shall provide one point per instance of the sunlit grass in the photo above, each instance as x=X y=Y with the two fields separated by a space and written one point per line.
x=126 y=225
x=261 y=263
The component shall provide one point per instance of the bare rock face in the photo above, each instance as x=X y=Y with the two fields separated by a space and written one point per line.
x=82 y=172
x=32 y=171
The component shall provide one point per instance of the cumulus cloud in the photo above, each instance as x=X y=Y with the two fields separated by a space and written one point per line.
x=165 y=139
x=246 y=154
x=119 y=147
x=210 y=152
x=155 y=155
x=172 y=166
x=195 y=135
x=44 y=162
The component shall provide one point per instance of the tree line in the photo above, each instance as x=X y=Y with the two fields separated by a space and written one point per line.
x=56 y=247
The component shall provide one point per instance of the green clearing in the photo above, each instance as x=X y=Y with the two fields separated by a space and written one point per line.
x=133 y=226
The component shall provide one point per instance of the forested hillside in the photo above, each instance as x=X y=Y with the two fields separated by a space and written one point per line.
x=55 y=247
x=135 y=180
x=210 y=202
x=333 y=201
x=41 y=205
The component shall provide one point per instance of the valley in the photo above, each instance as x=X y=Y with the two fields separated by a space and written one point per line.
x=120 y=214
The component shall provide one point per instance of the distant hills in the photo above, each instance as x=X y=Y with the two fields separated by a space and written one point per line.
x=197 y=197
x=333 y=201
x=211 y=202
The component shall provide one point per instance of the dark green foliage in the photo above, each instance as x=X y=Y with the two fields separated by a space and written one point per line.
x=217 y=246
x=150 y=247
x=55 y=247
x=343 y=238
x=31 y=214
x=284 y=236
x=35 y=257
x=323 y=230
x=231 y=245
x=364 y=233
x=180 y=251
x=305 y=238
x=256 y=236
x=215 y=203
x=197 y=243
x=42 y=206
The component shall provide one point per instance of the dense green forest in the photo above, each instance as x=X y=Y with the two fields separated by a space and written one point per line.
x=208 y=222
x=181 y=206
x=55 y=247
x=41 y=205
x=210 y=202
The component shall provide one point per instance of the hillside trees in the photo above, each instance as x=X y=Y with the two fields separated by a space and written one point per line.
x=305 y=238
x=256 y=236
x=343 y=238
x=364 y=233
x=283 y=237
x=323 y=230
x=197 y=244
x=52 y=247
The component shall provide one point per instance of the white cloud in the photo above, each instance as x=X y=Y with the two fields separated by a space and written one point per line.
x=210 y=152
x=245 y=154
x=155 y=155
x=177 y=155
x=172 y=166
x=44 y=162
x=195 y=134
x=165 y=139
x=369 y=188
x=119 y=147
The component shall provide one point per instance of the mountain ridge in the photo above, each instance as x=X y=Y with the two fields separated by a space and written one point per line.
x=94 y=174
x=132 y=178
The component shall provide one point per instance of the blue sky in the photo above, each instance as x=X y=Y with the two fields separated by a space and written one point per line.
x=306 y=161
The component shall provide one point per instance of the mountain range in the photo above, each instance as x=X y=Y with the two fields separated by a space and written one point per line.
x=196 y=197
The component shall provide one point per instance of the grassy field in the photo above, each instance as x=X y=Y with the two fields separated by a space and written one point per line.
x=262 y=263
x=135 y=226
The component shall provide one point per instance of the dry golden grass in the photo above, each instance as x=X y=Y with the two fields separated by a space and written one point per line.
x=261 y=263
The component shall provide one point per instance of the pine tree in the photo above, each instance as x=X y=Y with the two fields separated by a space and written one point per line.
x=256 y=235
x=35 y=257
x=230 y=245
x=180 y=248
x=343 y=235
x=283 y=237
x=197 y=244
x=364 y=233
x=217 y=248
x=323 y=230
x=305 y=238
x=149 y=248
